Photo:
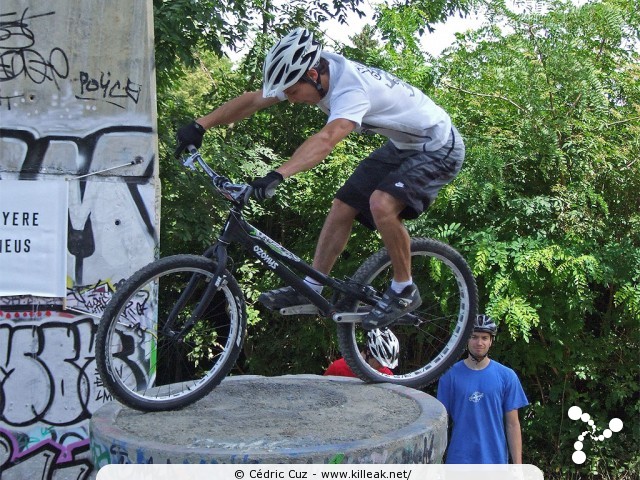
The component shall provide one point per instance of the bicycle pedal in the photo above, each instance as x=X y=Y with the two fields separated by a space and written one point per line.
x=308 y=309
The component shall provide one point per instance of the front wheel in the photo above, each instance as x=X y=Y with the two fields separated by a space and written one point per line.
x=431 y=338
x=152 y=352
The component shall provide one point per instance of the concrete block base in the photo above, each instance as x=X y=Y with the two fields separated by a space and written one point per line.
x=287 y=419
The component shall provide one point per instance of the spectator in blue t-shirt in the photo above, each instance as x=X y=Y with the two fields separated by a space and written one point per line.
x=482 y=398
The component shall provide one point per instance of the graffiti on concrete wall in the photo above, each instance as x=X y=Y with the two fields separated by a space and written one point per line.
x=49 y=385
x=48 y=373
x=92 y=298
x=60 y=120
x=77 y=102
x=103 y=88
x=418 y=451
x=45 y=454
x=48 y=390
x=25 y=54
x=92 y=204
x=21 y=56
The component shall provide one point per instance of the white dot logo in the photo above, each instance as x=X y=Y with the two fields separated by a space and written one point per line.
x=575 y=413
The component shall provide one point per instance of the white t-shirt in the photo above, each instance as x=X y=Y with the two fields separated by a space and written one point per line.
x=379 y=102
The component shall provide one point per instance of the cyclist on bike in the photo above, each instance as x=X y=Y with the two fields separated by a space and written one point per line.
x=395 y=182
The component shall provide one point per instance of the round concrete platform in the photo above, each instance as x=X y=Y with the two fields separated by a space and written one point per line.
x=287 y=419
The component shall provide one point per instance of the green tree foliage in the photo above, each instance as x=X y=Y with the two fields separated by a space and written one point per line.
x=548 y=207
x=403 y=22
x=183 y=27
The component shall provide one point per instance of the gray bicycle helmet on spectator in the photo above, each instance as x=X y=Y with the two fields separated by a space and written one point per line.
x=384 y=347
x=484 y=323
x=289 y=60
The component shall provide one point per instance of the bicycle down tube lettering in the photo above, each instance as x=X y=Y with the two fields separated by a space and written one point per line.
x=276 y=246
x=267 y=259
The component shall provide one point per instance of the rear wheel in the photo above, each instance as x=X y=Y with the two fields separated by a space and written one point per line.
x=145 y=358
x=431 y=338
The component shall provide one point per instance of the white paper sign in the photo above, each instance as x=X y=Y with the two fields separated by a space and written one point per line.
x=33 y=237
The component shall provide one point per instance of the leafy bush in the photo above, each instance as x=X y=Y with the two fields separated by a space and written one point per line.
x=545 y=210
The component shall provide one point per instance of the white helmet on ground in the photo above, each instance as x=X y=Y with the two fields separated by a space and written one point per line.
x=289 y=60
x=384 y=347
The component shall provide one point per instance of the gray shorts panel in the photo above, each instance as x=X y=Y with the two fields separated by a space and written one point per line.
x=414 y=177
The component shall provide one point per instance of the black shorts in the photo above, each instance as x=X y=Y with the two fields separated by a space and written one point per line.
x=412 y=176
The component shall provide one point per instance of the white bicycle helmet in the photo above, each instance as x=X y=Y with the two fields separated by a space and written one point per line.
x=289 y=60
x=384 y=347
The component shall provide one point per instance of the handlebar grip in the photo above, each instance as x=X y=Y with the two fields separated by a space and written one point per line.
x=270 y=192
x=180 y=150
x=247 y=195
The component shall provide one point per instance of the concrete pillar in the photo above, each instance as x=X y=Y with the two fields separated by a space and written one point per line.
x=77 y=105
x=288 y=419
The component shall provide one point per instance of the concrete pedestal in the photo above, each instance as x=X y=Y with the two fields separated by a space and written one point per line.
x=287 y=419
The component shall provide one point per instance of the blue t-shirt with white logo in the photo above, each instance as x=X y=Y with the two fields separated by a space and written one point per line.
x=477 y=401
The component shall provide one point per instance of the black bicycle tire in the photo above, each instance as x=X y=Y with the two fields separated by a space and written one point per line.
x=375 y=263
x=116 y=304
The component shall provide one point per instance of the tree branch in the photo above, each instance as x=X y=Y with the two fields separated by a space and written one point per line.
x=621 y=121
x=499 y=97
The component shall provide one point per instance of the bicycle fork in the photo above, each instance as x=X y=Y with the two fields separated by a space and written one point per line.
x=213 y=285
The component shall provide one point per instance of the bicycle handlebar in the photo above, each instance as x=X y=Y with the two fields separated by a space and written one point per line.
x=238 y=193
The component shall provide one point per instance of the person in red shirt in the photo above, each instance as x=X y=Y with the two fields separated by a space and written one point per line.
x=381 y=353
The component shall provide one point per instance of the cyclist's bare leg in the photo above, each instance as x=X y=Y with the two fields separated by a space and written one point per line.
x=331 y=242
x=333 y=236
x=386 y=213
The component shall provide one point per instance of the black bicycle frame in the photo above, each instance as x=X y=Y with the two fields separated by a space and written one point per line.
x=280 y=260
x=260 y=246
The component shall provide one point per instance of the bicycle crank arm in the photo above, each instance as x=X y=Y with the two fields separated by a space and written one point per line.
x=356 y=317
x=308 y=309
x=349 y=317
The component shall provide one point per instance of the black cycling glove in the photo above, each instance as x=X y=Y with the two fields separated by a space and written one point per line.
x=265 y=187
x=190 y=134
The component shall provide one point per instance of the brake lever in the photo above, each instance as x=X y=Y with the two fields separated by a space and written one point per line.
x=189 y=162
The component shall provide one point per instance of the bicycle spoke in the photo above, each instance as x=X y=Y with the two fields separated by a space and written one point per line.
x=431 y=337
x=159 y=355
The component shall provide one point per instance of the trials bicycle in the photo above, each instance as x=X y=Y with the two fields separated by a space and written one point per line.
x=175 y=328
